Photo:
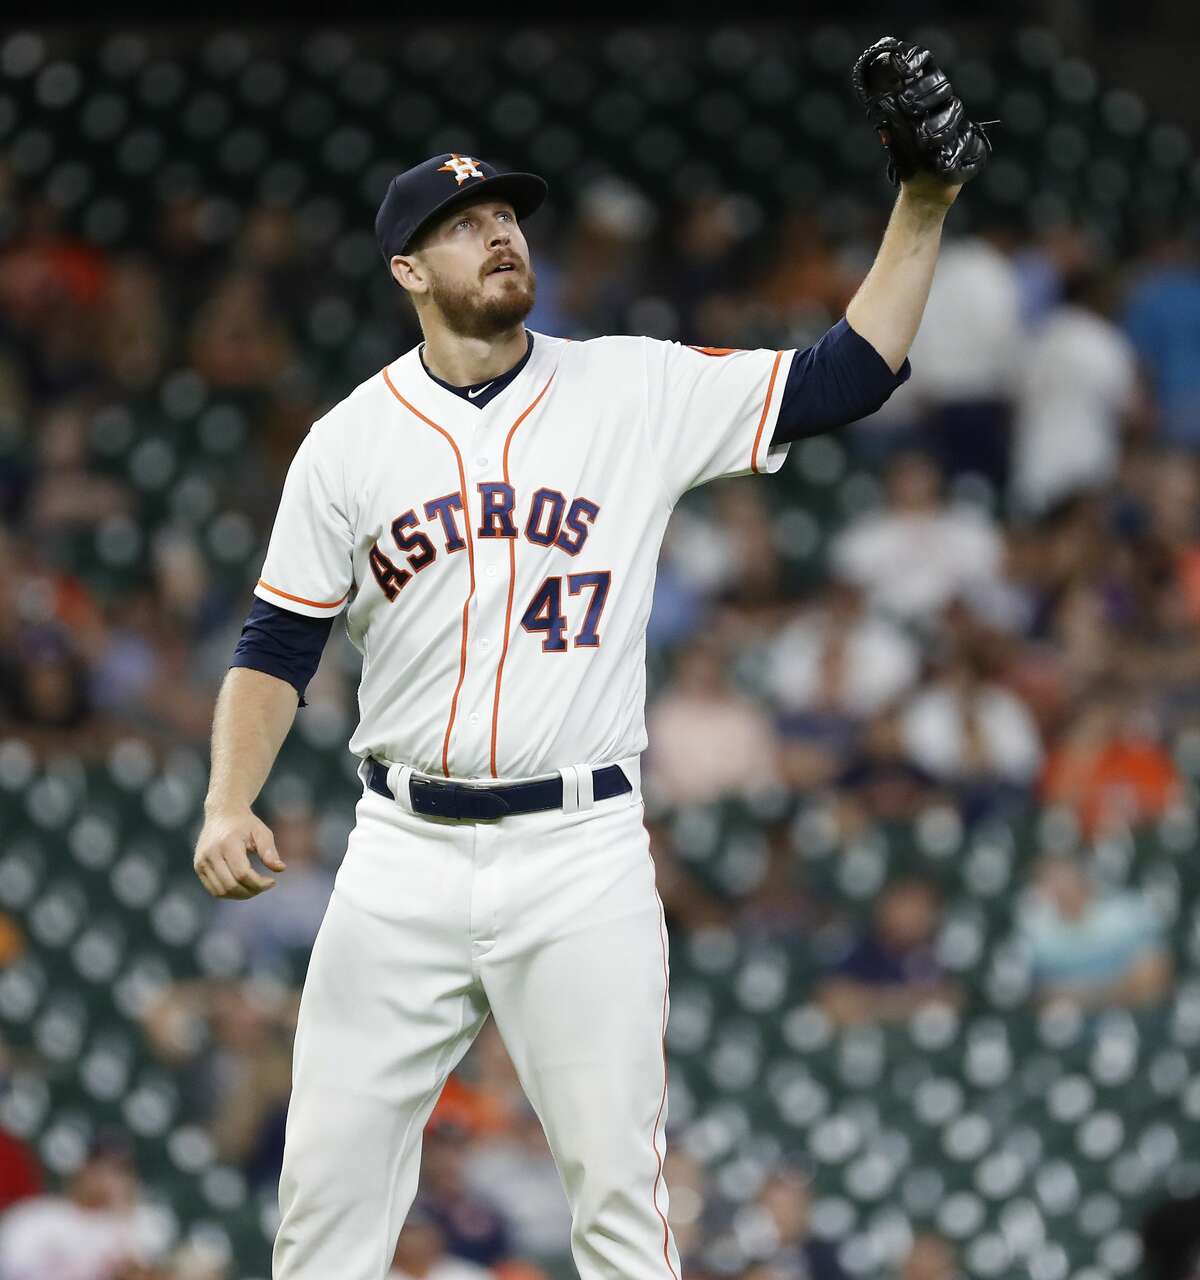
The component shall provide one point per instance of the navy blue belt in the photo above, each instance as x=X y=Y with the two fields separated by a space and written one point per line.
x=440 y=798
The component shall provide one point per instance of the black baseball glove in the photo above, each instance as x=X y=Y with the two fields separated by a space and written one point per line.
x=920 y=122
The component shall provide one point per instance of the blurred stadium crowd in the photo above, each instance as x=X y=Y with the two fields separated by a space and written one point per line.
x=924 y=712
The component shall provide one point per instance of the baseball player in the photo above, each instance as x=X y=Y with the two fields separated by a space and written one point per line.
x=486 y=512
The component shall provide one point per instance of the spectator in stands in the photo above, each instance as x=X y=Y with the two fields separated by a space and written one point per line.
x=472 y=1227
x=44 y=687
x=230 y=1045
x=880 y=782
x=1082 y=643
x=807 y=282
x=1078 y=390
x=835 y=658
x=707 y=740
x=831 y=667
x=697 y=562
x=604 y=261
x=1109 y=767
x=421 y=1252
x=704 y=262
x=124 y=657
x=135 y=332
x=484 y=1096
x=99 y=1229
x=1008 y=602
x=919 y=552
x=1043 y=265
x=1172 y=511
x=277 y=929
x=1160 y=652
x=751 y=596
x=50 y=283
x=687 y=902
x=929 y=1258
x=270 y=246
x=965 y=354
x=68 y=496
x=784 y=1205
x=184 y=583
x=778 y=906
x=1163 y=320
x=143 y=669
x=237 y=341
x=973 y=735
x=1073 y=540
x=724 y=550
x=34 y=591
x=517 y=1174
x=1099 y=950
x=188 y=249
x=891 y=968
x=20 y=1170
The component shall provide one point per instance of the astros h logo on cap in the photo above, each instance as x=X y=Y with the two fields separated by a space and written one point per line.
x=423 y=193
x=463 y=167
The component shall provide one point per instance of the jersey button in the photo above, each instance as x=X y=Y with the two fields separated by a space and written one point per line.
x=491 y=571
x=484 y=643
x=474 y=717
x=481 y=461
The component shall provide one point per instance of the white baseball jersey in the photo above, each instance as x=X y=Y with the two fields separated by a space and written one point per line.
x=497 y=565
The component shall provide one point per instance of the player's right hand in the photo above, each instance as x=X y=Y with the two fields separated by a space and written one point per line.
x=222 y=859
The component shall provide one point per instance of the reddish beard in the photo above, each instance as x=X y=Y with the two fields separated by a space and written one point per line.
x=473 y=312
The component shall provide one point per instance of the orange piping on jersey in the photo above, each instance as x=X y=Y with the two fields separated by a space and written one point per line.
x=716 y=351
x=662 y=1102
x=762 y=422
x=462 y=482
x=512 y=573
x=312 y=604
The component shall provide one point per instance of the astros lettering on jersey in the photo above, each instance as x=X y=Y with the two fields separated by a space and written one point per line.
x=497 y=564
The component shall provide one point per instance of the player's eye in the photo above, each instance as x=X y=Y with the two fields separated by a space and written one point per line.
x=462 y=222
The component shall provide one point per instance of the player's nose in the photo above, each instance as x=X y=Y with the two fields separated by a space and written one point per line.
x=500 y=235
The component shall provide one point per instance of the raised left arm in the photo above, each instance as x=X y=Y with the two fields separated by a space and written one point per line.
x=863 y=358
x=888 y=306
x=932 y=150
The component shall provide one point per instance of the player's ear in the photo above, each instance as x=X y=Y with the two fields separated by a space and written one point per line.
x=408 y=272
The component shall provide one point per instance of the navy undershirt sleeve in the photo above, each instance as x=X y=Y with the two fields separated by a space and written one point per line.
x=837 y=380
x=281 y=643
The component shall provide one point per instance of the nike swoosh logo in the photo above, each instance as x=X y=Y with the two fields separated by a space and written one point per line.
x=479 y=391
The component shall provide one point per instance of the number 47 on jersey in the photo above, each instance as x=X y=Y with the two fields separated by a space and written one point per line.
x=545 y=612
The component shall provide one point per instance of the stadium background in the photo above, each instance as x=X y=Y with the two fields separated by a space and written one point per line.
x=930 y=684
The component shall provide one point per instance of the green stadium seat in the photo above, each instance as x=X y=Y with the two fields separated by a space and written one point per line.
x=960 y=1215
x=55 y=917
x=98 y=951
x=106 y=1067
x=22 y=871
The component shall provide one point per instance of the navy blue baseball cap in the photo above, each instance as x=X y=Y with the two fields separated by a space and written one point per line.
x=420 y=194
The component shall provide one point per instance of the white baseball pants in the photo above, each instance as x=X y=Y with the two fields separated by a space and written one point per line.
x=550 y=921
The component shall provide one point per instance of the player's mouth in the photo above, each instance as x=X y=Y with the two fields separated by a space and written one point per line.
x=503 y=266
